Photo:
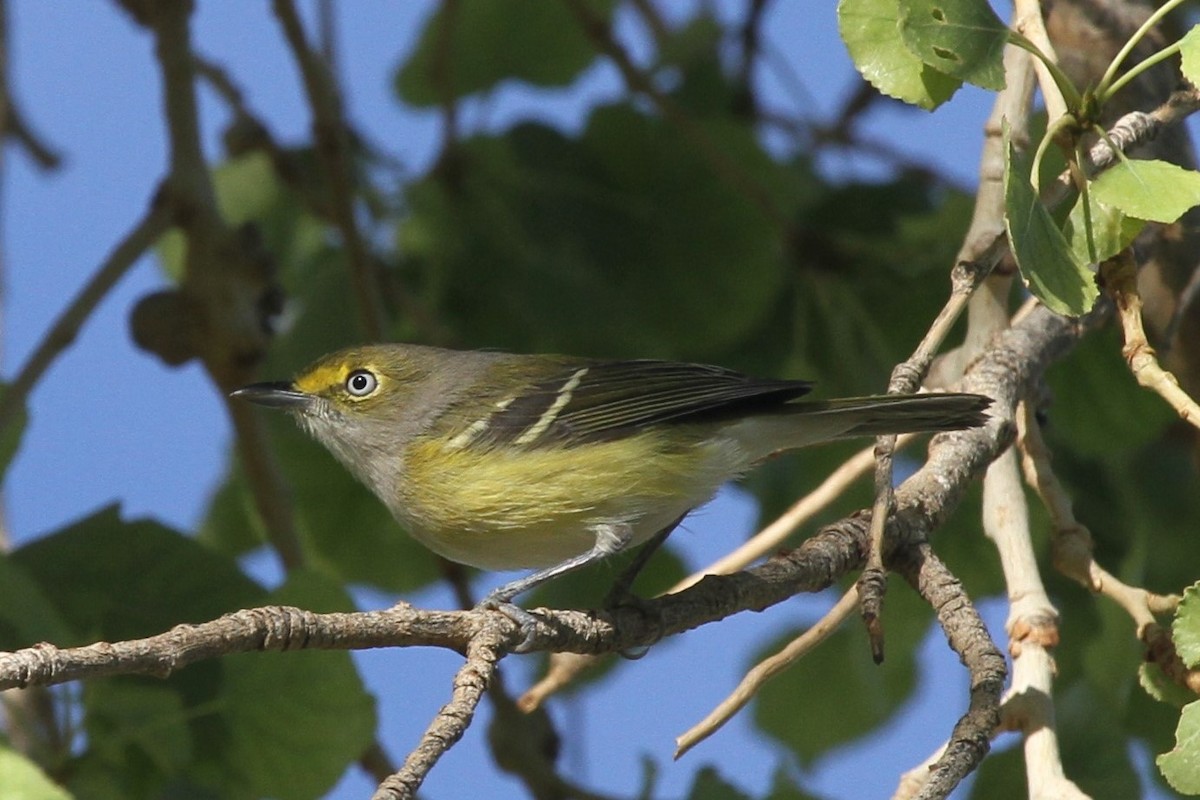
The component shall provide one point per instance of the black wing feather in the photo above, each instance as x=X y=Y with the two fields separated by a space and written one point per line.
x=618 y=398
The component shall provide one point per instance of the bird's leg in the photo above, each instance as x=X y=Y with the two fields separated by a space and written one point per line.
x=610 y=538
x=621 y=592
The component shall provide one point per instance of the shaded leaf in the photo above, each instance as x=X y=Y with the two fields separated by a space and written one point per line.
x=871 y=33
x=1181 y=766
x=1095 y=750
x=487 y=43
x=784 y=788
x=115 y=579
x=27 y=616
x=126 y=715
x=296 y=720
x=1047 y=262
x=963 y=38
x=709 y=785
x=249 y=190
x=1148 y=189
x=839 y=685
x=619 y=243
x=1097 y=406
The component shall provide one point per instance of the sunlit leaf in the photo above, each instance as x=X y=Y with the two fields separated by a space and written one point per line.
x=1189 y=50
x=22 y=779
x=1185 y=630
x=1147 y=189
x=870 y=31
x=1162 y=688
x=1110 y=231
x=1181 y=766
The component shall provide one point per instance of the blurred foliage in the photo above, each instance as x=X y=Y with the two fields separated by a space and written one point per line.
x=626 y=233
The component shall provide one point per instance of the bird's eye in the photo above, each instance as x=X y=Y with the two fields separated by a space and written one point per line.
x=361 y=383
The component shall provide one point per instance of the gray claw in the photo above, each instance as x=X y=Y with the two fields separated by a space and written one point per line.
x=526 y=620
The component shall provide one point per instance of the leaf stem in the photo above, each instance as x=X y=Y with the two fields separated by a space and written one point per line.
x=1105 y=89
x=1061 y=80
x=1133 y=73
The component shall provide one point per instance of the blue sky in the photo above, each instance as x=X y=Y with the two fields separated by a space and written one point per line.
x=110 y=424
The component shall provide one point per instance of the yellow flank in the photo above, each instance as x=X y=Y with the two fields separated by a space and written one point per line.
x=504 y=509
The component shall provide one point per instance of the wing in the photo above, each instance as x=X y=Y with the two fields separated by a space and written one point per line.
x=605 y=400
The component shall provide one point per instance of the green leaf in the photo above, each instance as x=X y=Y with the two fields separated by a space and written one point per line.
x=1185 y=630
x=1162 y=688
x=27 y=616
x=1047 y=263
x=1109 y=233
x=248 y=189
x=1189 y=51
x=963 y=38
x=21 y=779
x=1181 y=766
x=872 y=36
x=594 y=242
x=1148 y=189
x=11 y=435
x=114 y=579
x=784 y=788
x=1128 y=418
x=839 y=685
x=486 y=43
x=709 y=785
x=296 y=720
x=1095 y=750
x=126 y=715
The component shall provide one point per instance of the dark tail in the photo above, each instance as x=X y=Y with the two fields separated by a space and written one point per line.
x=904 y=413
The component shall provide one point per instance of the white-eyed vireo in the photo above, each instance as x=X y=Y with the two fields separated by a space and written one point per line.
x=508 y=461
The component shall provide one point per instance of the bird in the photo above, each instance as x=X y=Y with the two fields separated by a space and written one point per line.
x=507 y=461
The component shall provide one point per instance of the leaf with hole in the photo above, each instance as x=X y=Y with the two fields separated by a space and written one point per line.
x=871 y=35
x=963 y=38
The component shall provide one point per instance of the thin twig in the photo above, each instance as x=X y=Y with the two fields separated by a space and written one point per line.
x=1133 y=129
x=1072 y=542
x=153 y=224
x=333 y=151
x=451 y=722
x=766 y=669
x=442 y=74
x=1119 y=275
